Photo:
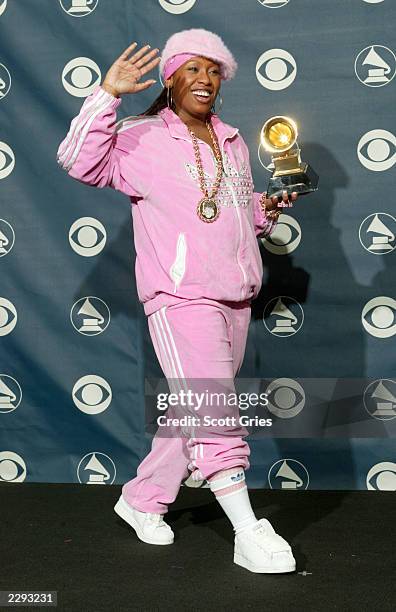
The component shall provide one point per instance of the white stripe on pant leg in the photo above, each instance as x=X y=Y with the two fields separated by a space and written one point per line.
x=163 y=312
x=165 y=343
x=163 y=322
x=173 y=382
x=166 y=358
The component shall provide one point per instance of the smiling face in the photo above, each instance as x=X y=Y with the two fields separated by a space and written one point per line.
x=196 y=84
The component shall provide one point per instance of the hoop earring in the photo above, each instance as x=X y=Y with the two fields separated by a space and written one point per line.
x=167 y=97
x=213 y=109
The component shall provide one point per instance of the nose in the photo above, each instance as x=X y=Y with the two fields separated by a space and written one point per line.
x=203 y=77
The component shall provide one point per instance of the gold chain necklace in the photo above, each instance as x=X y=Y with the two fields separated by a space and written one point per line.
x=207 y=209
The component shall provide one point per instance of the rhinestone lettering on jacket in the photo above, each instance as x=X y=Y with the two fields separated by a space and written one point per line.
x=233 y=181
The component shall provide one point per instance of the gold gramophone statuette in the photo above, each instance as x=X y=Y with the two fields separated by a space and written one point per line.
x=279 y=137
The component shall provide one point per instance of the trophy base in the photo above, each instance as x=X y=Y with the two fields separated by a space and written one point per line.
x=302 y=182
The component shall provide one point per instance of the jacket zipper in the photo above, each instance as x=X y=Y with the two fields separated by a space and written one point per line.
x=233 y=197
x=178 y=267
x=238 y=213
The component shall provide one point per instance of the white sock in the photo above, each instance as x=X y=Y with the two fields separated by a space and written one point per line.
x=234 y=498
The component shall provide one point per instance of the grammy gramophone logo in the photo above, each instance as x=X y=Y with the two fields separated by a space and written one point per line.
x=90 y=316
x=377 y=233
x=96 y=468
x=78 y=8
x=375 y=66
x=379 y=399
x=7 y=237
x=288 y=474
x=10 y=393
x=283 y=316
x=5 y=81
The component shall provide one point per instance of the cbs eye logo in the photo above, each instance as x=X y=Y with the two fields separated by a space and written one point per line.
x=373 y=1
x=380 y=313
x=7 y=160
x=177 y=7
x=377 y=150
x=8 y=316
x=80 y=76
x=285 y=238
x=286 y=398
x=382 y=477
x=3 y=6
x=12 y=467
x=87 y=236
x=279 y=69
x=273 y=3
x=92 y=394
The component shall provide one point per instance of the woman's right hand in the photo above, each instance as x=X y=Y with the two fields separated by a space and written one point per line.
x=124 y=74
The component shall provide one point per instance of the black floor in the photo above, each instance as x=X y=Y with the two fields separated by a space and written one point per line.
x=67 y=538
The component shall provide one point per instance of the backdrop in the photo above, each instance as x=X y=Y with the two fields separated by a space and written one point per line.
x=74 y=343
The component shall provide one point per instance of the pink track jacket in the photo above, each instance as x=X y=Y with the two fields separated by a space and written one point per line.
x=151 y=159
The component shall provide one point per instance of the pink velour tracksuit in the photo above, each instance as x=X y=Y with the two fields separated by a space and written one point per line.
x=196 y=280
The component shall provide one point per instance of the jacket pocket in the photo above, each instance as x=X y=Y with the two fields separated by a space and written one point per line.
x=178 y=267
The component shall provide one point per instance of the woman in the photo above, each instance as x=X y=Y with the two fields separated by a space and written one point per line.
x=198 y=266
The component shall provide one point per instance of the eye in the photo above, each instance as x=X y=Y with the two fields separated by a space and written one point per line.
x=92 y=394
x=195 y=68
x=7 y=160
x=87 y=236
x=379 y=316
x=377 y=150
x=8 y=316
x=279 y=69
x=80 y=76
x=12 y=467
x=286 y=398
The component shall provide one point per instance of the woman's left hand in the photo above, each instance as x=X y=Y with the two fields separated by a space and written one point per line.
x=275 y=203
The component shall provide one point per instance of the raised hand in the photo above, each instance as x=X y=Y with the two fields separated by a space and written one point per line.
x=123 y=76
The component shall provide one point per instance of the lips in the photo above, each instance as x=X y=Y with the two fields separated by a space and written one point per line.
x=201 y=97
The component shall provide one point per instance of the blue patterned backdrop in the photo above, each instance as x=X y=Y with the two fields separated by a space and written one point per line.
x=329 y=268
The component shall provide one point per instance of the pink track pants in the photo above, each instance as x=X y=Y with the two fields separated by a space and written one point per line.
x=198 y=339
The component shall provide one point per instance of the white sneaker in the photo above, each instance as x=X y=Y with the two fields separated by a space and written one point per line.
x=261 y=550
x=150 y=528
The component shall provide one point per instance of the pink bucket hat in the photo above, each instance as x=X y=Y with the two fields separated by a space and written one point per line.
x=196 y=41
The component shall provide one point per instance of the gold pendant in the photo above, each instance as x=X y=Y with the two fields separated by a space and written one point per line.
x=207 y=210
